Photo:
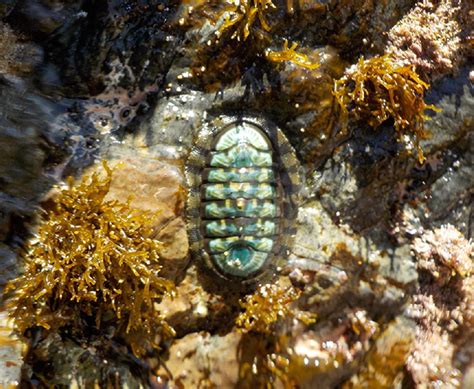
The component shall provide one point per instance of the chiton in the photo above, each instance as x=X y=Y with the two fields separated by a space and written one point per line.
x=244 y=183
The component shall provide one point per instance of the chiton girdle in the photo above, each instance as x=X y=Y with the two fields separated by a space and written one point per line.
x=244 y=183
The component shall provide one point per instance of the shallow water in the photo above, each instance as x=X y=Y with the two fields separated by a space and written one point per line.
x=137 y=84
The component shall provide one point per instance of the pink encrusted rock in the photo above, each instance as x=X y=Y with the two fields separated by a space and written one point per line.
x=444 y=247
x=433 y=37
x=443 y=309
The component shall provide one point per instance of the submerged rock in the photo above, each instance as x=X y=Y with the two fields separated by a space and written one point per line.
x=443 y=309
x=134 y=83
x=17 y=57
x=71 y=364
x=29 y=158
x=202 y=359
x=156 y=185
x=11 y=349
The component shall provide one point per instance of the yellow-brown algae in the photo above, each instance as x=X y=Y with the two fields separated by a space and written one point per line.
x=93 y=261
x=378 y=89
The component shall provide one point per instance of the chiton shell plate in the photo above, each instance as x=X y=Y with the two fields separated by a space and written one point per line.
x=244 y=182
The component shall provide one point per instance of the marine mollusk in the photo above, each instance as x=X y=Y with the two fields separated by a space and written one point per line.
x=243 y=179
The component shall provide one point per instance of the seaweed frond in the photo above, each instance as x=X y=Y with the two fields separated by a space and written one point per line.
x=268 y=305
x=263 y=363
x=378 y=89
x=93 y=264
x=291 y=55
x=232 y=38
x=243 y=16
x=263 y=355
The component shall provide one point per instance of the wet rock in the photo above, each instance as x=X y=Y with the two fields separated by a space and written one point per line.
x=17 y=56
x=8 y=265
x=6 y=7
x=321 y=243
x=156 y=186
x=454 y=96
x=202 y=359
x=357 y=24
x=323 y=355
x=440 y=192
x=66 y=362
x=442 y=309
x=94 y=46
x=41 y=18
x=347 y=278
x=196 y=309
x=174 y=123
x=27 y=167
x=385 y=362
x=10 y=354
x=27 y=159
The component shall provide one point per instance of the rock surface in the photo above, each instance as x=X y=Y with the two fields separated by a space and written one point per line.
x=123 y=82
x=10 y=354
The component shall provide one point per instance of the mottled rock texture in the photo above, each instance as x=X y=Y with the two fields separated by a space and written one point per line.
x=374 y=258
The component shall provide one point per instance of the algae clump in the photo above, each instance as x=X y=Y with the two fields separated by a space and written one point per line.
x=93 y=266
x=264 y=324
x=378 y=89
x=241 y=17
x=291 y=55
x=270 y=304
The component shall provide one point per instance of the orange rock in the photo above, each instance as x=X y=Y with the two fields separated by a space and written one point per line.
x=157 y=186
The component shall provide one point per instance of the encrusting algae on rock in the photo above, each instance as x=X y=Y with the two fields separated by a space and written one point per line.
x=93 y=265
x=443 y=309
x=434 y=37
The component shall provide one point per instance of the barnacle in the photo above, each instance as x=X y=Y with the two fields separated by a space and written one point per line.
x=268 y=305
x=290 y=54
x=377 y=89
x=94 y=261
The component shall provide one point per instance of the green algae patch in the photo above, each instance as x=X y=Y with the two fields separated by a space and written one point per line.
x=378 y=89
x=93 y=266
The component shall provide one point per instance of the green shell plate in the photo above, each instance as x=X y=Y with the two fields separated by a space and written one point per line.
x=244 y=181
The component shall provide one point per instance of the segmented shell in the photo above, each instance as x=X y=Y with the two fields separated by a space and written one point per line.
x=244 y=181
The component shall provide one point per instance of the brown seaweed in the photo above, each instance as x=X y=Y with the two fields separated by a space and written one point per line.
x=93 y=261
x=378 y=89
